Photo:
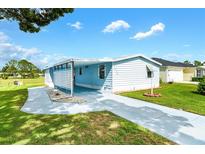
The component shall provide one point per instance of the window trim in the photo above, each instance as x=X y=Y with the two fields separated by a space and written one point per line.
x=99 y=71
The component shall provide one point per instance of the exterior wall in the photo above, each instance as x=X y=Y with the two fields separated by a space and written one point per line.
x=174 y=74
x=49 y=77
x=189 y=73
x=186 y=73
x=163 y=74
x=90 y=78
x=172 y=69
x=131 y=74
x=200 y=72
x=62 y=78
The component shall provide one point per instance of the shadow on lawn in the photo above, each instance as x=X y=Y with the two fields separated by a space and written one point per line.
x=195 y=92
x=22 y=128
x=92 y=128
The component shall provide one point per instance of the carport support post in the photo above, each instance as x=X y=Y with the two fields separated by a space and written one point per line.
x=72 y=78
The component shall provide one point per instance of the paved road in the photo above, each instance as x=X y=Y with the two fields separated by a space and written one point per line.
x=178 y=126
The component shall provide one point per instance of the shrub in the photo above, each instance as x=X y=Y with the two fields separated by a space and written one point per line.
x=198 y=79
x=5 y=76
x=201 y=88
x=160 y=81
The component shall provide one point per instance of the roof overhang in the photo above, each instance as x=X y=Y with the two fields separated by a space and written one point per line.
x=83 y=62
x=135 y=56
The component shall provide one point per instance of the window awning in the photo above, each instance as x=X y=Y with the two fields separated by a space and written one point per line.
x=150 y=68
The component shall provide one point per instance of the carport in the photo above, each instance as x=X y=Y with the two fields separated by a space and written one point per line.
x=63 y=75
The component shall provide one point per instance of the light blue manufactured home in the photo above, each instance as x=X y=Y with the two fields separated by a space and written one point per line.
x=114 y=75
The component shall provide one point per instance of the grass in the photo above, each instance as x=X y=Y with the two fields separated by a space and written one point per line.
x=90 y=128
x=177 y=95
x=8 y=84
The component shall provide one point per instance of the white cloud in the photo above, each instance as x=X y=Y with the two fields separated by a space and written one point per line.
x=10 y=51
x=153 y=30
x=116 y=26
x=3 y=37
x=77 y=25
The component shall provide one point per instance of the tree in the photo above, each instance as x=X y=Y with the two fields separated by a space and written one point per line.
x=4 y=68
x=187 y=62
x=30 y=19
x=27 y=69
x=22 y=67
x=12 y=67
x=197 y=63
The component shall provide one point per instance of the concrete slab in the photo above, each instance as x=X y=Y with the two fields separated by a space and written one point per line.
x=191 y=134
x=179 y=126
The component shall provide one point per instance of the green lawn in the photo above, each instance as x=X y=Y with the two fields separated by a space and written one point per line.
x=91 y=128
x=179 y=96
x=8 y=84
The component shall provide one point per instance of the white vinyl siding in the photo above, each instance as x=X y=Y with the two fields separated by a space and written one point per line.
x=63 y=78
x=131 y=74
x=48 y=79
x=108 y=80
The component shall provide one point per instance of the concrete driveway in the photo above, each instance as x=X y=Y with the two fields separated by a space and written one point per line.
x=179 y=126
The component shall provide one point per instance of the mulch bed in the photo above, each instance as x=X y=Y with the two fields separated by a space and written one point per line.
x=61 y=97
x=152 y=95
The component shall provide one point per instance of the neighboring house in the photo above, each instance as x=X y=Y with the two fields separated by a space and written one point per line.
x=200 y=71
x=175 y=71
x=114 y=75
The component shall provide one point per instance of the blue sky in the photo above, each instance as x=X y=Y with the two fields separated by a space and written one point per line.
x=174 y=34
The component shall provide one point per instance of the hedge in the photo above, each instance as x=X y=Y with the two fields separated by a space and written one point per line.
x=198 y=79
x=201 y=88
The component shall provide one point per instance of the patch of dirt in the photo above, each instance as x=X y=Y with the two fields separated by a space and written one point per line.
x=61 y=97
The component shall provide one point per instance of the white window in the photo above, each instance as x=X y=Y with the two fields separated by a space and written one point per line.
x=101 y=71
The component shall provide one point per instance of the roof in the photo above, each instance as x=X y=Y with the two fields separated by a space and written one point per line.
x=170 y=63
x=88 y=61
x=135 y=56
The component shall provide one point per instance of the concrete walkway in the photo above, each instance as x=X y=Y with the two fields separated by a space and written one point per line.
x=178 y=126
